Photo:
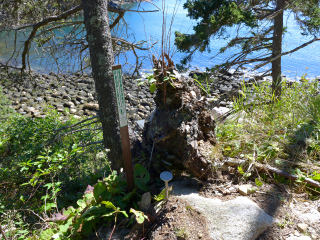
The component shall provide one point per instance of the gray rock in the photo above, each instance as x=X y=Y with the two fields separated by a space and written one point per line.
x=145 y=202
x=73 y=110
x=302 y=227
x=48 y=98
x=219 y=111
x=245 y=189
x=140 y=123
x=238 y=219
x=80 y=113
x=66 y=97
x=68 y=104
x=23 y=100
x=31 y=109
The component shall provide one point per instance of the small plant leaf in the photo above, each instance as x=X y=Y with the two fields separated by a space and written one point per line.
x=258 y=182
x=140 y=216
x=108 y=204
x=99 y=188
x=141 y=177
x=160 y=196
x=153 y=87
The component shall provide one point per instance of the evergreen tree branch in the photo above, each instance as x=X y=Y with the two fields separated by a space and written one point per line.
x=288 y=52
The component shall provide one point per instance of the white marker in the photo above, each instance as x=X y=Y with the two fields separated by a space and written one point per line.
x=166 y=177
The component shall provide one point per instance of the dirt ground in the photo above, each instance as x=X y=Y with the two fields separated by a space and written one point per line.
x=177 y=220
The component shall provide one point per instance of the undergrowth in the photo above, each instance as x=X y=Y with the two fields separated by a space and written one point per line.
x=283 y=133
x=56 y=180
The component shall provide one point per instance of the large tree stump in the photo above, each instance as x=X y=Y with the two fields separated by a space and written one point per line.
x=182 y=125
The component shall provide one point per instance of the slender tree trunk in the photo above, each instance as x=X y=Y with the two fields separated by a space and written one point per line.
x=100 y=46
x=277 y=49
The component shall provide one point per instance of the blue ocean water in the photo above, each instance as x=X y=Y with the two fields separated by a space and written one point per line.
x=148 y=27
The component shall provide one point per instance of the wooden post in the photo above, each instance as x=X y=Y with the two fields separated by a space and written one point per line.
x=123 y=122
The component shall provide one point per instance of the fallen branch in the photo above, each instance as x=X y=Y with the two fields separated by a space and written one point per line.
x=286 y=175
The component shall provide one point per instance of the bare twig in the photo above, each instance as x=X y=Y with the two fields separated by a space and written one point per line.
x=71 y=126
x=44 y=22
x=81 y=130
x=90 y=143
x=3 y=233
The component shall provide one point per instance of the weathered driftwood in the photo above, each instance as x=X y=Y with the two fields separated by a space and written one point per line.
x=182 y=125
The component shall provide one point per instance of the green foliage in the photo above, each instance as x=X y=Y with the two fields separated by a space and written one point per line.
x=43 y=168
x=140 y=216
x=244 y=174
x=161 y=196
x=213 y=17
x=258 y=182
x=141 y=177
x=5 y=109
x=281 y=134
x=104 y=202
x=31 y=11
x=218 y=18
x=206 y=90
x=149 y=80
x=316 y=176
x=152 y=80
x=180 y=233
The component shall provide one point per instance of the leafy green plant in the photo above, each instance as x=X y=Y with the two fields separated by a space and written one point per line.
x=5 y=109
x=258 y=182
x=152 y=80
x=206 y=90
x=105 y=200
x=189 y=208
x=161 y=196
x=244 y=174
x=263 y=130
x=44 y=167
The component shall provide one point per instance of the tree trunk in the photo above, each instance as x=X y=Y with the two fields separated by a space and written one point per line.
x=277 y=49
x=100 y=46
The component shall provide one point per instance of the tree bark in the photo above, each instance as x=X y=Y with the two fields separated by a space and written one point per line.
x=277 y=50
x=100 y=46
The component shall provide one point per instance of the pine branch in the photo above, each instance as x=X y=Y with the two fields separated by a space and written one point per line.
x=286 y=53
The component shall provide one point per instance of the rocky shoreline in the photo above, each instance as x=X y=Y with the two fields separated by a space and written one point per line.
x=76 y=95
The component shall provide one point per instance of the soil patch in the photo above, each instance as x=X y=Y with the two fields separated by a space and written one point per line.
x=178 y=220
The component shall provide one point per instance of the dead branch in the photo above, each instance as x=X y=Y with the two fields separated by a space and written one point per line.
x=41 y=24
x=82 y=130
x=78 y=123
x=3 y=233
x=90 y=143
x=285 y=174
